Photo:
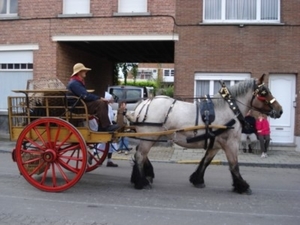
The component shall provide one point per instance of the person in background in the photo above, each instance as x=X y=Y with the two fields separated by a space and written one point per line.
x=124 y=141
x=108 y=98
x=95 y=105
x=249 y=132
x=113 y=146
x=263 y=134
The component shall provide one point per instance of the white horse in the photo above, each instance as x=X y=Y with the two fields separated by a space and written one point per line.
x=163 y=113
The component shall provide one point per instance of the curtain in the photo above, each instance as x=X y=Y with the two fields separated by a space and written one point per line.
x=213 y=9
x=240 y=10
x=269 y=10
x=202 y=88
x=3 y=6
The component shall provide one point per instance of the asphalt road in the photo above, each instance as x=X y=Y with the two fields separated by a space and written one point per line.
x=105 y=196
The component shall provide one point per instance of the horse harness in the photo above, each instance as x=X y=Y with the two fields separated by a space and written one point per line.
x=207 y=112
x=147 y=104
x=260 y=92
x=206 y=108
x=226 y=95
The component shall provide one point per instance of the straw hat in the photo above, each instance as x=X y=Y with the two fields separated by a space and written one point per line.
x=79 y=67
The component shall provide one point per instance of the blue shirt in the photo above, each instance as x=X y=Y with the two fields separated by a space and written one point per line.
x=78 y=89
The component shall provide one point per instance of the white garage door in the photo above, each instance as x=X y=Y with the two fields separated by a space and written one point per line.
x=16 y=67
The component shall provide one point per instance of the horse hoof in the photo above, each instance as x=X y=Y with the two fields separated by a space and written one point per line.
x=199 y=185
x=248 y=191
x=148 y=187
x=150 y=180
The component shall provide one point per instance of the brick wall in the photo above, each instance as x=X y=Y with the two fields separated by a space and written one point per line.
x=39 y=21
x=231 y=48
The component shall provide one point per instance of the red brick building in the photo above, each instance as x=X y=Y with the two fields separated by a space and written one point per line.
x=207 y=40
x=219 y=39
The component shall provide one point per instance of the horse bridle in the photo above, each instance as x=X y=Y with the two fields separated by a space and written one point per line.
x=260 y=93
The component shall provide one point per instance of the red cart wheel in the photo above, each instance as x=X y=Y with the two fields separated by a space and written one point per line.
x=96 y=156
x=51 y=154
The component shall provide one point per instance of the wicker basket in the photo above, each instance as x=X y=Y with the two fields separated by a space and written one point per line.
x=38 y=99
x=30 y=167
x=45 y=83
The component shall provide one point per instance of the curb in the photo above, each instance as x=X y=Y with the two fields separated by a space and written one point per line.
x=225 y=163
x=213 y=162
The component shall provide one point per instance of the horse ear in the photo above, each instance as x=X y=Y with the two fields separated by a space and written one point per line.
x=261 y=79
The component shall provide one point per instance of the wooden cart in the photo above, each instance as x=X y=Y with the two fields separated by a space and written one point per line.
x=53 y=140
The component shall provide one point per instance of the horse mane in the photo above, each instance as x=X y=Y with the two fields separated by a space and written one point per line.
x=239 y=89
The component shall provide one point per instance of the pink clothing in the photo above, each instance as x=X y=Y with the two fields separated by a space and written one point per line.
x=263 y=127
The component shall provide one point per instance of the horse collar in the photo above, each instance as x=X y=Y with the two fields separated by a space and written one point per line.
x=226 y=95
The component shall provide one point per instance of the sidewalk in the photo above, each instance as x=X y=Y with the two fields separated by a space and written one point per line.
x=177 y=154
x=284 y=158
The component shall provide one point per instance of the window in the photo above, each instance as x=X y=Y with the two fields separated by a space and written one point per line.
x=168 y=72
x=8 y=7
x=16 y=66
x=76 y=6
x=237 y=11
x=132 y=6
x=145 y=74
x=209 y=83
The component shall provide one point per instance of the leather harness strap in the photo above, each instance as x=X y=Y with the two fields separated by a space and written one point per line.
x=226 y=95
x=143 y=123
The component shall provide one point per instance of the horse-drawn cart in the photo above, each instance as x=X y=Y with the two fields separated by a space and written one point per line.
x=54 y=141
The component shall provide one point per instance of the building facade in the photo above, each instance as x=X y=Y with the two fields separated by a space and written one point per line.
x=153 y=71
x=207 y=40
x=240 y=39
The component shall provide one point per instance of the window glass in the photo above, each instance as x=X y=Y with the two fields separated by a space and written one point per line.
x=8 y=7
x=132 y=6
x=241 y=11
x=269 y=10
x=13 y=6
x=133 y=94
x=169 y=72
x=202 y=88
x=213 y=9
x=166 y=73
x=172 y=73
x=3 y=6
x=209 y=83
x=76 y=6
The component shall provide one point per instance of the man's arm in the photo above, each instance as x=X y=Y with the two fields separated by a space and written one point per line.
x=80 y=91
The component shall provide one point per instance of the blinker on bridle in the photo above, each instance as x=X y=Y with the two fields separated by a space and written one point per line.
x=260 y=93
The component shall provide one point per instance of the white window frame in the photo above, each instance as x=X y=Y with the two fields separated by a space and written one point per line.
x=257 y=19
x=75 y=7
x=171 y=72
x=213 y=77
x=132 y=6
x=145 y=74
x=8 y=12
